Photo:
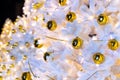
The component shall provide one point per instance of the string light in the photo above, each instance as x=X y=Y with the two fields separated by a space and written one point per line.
x=46 y=54
x=51 y=25
x=113 y=44
x=37 y=44
x=26 y=76
x=98 y=58
x=62 y=2
x=71 y=16
x=102 y=19
x=77 y=43
x=37 y=5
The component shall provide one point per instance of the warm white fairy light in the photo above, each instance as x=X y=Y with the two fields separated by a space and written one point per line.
x=82 y=60
x=94 y=38
x=97 y=65
x=21 y=47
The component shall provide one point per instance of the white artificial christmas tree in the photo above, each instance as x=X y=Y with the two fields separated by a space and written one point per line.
x=62 y=40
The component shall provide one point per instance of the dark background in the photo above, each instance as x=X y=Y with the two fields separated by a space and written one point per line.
x=10 y=9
